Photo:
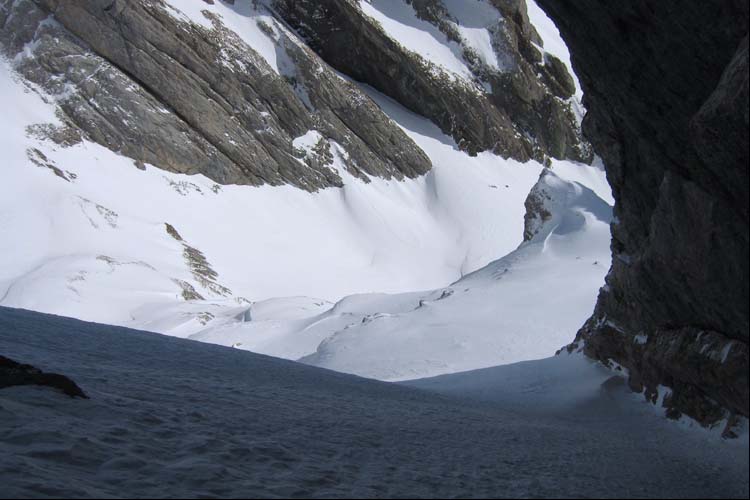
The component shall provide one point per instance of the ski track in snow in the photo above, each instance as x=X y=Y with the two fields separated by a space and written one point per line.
x=169 y=417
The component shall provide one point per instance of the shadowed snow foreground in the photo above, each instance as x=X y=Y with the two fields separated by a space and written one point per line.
x=170 y=417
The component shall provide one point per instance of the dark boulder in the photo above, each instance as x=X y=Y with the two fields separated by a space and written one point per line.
x=15 y=374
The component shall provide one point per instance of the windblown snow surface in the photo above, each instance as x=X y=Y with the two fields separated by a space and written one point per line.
x=174 y=418
x=378 y=271
x=389 y=280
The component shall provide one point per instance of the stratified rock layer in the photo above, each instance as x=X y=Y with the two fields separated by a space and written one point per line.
x=189 y=98
x=666 y=88
x=192 y=96
x=520 y=110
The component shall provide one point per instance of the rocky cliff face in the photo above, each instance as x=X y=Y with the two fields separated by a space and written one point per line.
x=514 y=101
x=195 y=94
x=139 y=78
x=666 y=87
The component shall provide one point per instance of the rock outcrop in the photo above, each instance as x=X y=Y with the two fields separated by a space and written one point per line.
x=518 y=106
x=141 y=79
x=555 y=205
x=666 y=88
x=15 y=374
x=192 y=94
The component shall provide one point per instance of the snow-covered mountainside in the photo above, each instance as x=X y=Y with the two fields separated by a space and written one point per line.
x=516 y=308
x=384 y=273
x=173 y=418
x=340 y=248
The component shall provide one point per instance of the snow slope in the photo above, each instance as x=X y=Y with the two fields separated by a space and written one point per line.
x=96 y=247
x=384 y=236
x=334 y=277
x=173 y=418
x=474 y=19
x=570 y=386
x=523 y=306
x=400 y=21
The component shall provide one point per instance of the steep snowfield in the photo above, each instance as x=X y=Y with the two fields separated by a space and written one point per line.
x=373 y=279
x=172 y=418
x=401 y=23
x=97 y=248
x=383 y=236
x=473 y=22
x=523 y=306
